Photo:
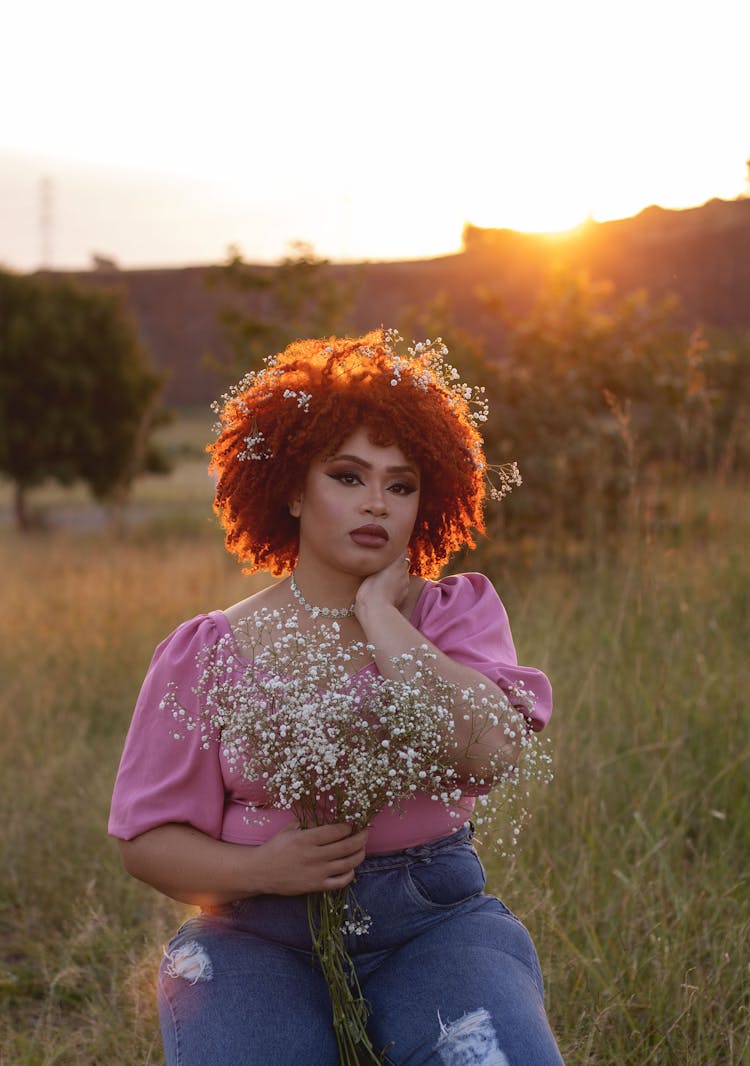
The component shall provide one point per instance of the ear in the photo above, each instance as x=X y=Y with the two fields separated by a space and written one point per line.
x=295 y=505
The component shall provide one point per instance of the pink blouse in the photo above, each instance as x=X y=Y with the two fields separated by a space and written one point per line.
x=163 y=779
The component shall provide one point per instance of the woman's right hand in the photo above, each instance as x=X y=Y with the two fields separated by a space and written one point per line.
x=298 y=860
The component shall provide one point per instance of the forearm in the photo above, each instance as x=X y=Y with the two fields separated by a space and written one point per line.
x=476 y=740
x=191 y=867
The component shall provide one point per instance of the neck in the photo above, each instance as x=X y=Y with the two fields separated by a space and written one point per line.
x=326 y=588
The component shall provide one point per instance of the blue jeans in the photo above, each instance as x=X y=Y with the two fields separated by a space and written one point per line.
x=450 y=975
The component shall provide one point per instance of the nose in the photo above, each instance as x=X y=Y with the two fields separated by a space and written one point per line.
x=376 y=502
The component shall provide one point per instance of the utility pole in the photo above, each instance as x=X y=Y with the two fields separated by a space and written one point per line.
x=45 y=223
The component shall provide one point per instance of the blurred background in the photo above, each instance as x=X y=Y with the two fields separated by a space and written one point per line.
x=558 y=191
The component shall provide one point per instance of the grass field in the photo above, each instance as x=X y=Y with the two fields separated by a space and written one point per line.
x=633 y=873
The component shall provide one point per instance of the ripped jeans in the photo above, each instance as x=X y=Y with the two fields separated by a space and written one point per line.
x=450 y=975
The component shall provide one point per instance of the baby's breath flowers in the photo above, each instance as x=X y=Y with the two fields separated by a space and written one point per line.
x=255 y=447
x=422 y=365
x=425 y=366
x=333 y=745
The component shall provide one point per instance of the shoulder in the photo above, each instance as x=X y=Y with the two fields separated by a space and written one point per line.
x=464 y=617
x=238 y=620
x=179 y=651
x=455 y=596
x=268 y=598
x=463 y=612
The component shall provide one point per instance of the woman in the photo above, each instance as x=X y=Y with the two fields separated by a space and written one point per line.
x=353 y=473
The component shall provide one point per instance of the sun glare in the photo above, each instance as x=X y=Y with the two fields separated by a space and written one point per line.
x=587 y=187
x=533 y=117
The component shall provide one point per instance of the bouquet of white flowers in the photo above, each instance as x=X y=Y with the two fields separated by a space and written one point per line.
x=332 y=745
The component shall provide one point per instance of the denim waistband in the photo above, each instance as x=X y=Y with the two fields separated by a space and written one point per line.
x=387 y=860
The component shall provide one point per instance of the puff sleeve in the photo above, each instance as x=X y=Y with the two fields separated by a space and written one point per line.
x=464 y=617
x=165 y=775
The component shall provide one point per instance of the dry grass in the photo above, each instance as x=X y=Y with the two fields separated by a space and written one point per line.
x=77 y=938
x=633 y=873
x=634 y=878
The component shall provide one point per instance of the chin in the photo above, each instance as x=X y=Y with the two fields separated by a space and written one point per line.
x=372 y=564
x=364 y=568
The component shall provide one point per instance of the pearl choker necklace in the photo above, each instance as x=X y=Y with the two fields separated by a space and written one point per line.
x=326 y=612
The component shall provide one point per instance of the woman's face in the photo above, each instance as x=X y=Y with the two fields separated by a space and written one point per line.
x=358 y=507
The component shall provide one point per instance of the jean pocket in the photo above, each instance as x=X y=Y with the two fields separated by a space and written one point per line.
x=447 y=879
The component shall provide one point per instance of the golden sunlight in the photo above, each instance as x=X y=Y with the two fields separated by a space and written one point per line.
x=532 y=117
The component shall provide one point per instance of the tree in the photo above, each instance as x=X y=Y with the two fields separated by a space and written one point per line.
x=600 y=395
x=78 y=400
x=273 y=306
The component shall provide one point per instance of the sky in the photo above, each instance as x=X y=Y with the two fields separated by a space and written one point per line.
x=158 y=133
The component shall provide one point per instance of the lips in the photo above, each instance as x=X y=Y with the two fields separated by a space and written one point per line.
x=370 y=536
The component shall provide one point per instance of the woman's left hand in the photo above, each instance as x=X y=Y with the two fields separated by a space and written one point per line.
x=388 y=587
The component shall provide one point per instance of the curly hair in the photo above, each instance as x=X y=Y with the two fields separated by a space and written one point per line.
x=308 y=399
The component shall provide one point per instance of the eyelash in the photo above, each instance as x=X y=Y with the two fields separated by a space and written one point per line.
x=405 y=488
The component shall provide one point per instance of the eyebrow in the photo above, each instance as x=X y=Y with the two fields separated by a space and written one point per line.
x=368 y=466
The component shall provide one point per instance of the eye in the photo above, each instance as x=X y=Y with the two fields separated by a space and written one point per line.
x=346 y=477
x=402 y=488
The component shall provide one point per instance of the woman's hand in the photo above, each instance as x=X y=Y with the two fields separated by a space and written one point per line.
x=192 y=867
x=388 y=587
x=297 y=860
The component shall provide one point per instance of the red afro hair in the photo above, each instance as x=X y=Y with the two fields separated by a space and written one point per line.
x=311 y=397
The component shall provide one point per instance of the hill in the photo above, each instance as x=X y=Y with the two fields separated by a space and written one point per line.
x=701 y=254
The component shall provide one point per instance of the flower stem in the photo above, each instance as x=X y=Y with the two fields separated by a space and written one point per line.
x=326 y=912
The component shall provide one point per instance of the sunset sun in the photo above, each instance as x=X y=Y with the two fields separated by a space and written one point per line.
x=371 y=145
